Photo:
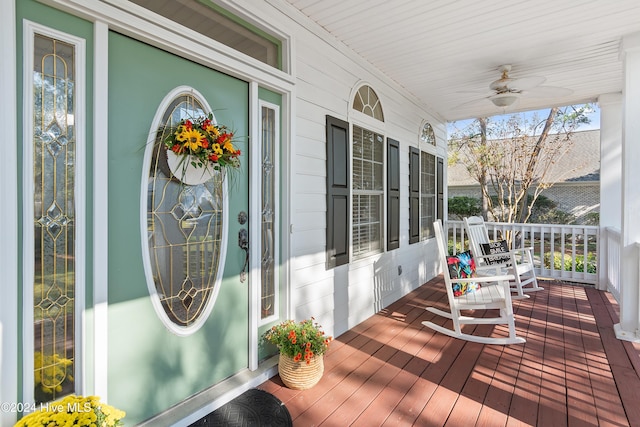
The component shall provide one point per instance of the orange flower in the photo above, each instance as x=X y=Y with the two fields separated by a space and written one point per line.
x=298 y=357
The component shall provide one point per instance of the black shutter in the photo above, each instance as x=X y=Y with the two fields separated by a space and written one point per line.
x=338 y=203
x=414 y=195
x=393 y=194
x=440 y=191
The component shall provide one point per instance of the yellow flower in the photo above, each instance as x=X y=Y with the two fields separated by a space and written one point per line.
x=229 y=146
x=181 y=133
x=213 y=131
x=216 y=149
x=193 y=139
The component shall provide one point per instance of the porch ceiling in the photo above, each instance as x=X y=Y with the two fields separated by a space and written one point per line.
x=446 y=53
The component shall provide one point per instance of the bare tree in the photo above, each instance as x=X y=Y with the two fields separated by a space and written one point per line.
x=510 y=158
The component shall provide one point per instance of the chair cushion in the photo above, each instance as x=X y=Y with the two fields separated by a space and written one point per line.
x=462 y=266
x=496 y=248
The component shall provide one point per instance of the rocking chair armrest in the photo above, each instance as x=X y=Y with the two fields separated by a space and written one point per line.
x=492 y=269
x=523 y=250
x=484 y=279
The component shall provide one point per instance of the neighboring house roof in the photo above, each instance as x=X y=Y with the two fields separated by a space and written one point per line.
x=580 y=163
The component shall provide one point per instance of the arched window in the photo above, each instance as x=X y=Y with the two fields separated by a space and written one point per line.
x=367 y=181
x=427 y=135
x=366 y=101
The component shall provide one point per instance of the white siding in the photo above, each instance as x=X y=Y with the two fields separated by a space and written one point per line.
x=326 y=75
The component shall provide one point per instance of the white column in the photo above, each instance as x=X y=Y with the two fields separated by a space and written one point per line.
x=610 y=176
x=629 y=324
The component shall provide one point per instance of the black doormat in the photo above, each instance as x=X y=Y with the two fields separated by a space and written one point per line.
x=253 y=408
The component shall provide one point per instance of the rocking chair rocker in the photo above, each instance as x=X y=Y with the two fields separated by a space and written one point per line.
x=493 y=293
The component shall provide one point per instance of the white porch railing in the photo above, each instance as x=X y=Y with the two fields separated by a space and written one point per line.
x=563 y=252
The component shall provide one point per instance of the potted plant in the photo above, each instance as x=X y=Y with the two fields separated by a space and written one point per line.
x=302 y=346
x=197 y=148
x=73 y=411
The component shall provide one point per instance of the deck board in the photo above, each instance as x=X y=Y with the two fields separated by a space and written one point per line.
x=391 y=370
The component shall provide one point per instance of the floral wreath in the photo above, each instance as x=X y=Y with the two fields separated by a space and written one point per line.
x=207 y=143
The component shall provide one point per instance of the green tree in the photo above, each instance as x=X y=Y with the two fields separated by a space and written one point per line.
x=463 y=206
x=510 y=158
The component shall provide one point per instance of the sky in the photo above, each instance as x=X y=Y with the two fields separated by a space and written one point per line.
x=594 y=117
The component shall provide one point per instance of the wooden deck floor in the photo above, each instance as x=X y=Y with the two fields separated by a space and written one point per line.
x=392 y=371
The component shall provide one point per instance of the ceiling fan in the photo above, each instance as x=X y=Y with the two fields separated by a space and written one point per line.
x=507 y=90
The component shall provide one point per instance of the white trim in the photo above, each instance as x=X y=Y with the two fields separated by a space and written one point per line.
x=101 y=210
x=30 y=28
x=144 y=191
x=287 y=131
x=255 y=180
x=9 y=213
x=277 y=208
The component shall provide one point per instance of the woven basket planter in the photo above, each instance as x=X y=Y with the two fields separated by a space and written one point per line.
x=299 y=375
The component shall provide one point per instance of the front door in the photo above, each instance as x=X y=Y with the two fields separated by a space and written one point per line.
x=178 y=303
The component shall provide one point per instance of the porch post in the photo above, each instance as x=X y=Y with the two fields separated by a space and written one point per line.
x=629 y=326
x=610 y=177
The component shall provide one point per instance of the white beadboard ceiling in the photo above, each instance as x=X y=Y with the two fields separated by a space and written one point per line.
x=446 y=53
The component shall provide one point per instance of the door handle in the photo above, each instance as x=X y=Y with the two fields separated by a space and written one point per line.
x=243 y=243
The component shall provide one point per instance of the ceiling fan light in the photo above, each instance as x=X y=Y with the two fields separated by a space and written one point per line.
x=504 y=100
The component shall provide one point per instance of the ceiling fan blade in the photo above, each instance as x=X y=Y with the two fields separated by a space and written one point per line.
x=475 y=103
x=547 y=91
x=481 y=92
x=525 y=83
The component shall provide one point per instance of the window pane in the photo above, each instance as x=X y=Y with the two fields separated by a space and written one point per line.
x=367 y=224
x=54 y=145
x=368 y=189
x=208 y=21
x=427 y=194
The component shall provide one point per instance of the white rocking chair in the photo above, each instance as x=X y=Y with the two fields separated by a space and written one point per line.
x=493 y=293
x=522 y=259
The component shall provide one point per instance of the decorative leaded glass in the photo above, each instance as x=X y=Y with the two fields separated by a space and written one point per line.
x=268 y=285
x=185 y=229
x=54 y=163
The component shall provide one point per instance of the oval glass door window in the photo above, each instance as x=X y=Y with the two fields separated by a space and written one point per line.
x=186 y=226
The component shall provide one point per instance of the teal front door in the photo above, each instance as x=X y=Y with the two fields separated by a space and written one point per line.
x=178 y=304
